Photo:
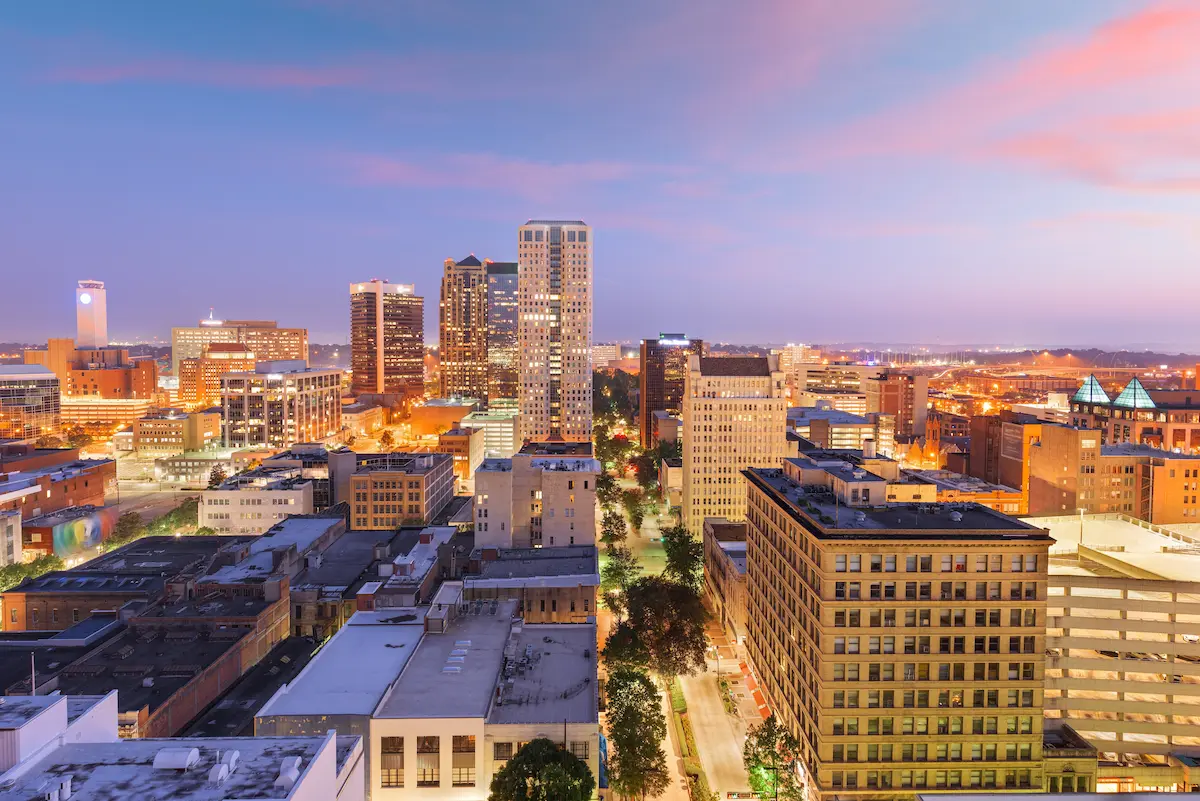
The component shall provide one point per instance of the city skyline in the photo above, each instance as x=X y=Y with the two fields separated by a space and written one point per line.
x=1054 y=158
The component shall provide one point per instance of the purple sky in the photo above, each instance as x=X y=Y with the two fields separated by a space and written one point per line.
x=804 y=170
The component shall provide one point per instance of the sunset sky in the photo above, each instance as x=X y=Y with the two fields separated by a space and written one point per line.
x=939 y=171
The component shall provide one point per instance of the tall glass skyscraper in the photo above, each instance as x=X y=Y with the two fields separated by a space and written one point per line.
x=503 y=354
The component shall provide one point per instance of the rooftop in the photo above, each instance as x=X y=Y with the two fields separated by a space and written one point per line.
x=454 y=675
x=818 y=510
x=735 y=366
x=298 y=533
x=1124 y=544
x=208 y=606
x=410 y=463
x=344 y=561
x=373 y=647
x=530 y=563
x=125 y=769
x=736 y=552
x=414 y=566
x=1134 y=449
x=949 y=480
x=265 y=477
x=556 y=449
x=804 y=414
x=16 y=372
x=549 y=676
x=16 y=711
x=555 y=222
x=63 y=515
x=502 y=268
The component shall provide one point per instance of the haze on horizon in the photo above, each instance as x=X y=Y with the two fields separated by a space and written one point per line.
x=893 y=170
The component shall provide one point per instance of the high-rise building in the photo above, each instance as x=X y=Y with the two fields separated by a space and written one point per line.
x=734 y=417
x=554 y=259
x=463 y=329
x=663 y=372
x=264 y=338
x=903 y=646
x=503 y=352
x=280 y=404
x=200 y=378
x=902 y=395
x=91 y=315
x=30 y=402
x=387 y=339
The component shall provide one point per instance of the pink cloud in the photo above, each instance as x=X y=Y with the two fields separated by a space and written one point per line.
x=1096 y=108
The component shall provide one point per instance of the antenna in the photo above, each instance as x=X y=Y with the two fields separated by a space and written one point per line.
x=32 y=675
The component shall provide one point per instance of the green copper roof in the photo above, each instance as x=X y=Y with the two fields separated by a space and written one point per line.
x=1134 y=396
x=1091 y=392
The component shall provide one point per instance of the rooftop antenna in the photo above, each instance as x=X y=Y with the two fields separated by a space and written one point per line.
x=32 y=675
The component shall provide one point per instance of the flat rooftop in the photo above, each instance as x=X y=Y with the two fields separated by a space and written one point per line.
x=581 y=449
x=1126 y=545
x=533 y=563
x=343 y=562
x=125 y=769
x=373 y=647
x=819 y=511
x=736 y=552
x=63 y=516
x=549 y=676
x=410 y=463
x=298 y=532
x=414 y=566
x=454 y=675
x=949 y=480
x=168 y=657
x=1133 y=449
x=806 y=414
x=16 y=711
x=213 y=606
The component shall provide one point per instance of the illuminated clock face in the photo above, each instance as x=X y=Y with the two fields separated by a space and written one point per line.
x=85 y=298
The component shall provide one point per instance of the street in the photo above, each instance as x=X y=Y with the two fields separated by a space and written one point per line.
x=146 y=499
x=719 y=737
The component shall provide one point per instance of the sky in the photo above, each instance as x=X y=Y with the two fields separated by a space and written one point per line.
x=934 y=171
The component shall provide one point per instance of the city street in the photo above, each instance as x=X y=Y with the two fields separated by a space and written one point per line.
x=719 y=736
x=145 y=498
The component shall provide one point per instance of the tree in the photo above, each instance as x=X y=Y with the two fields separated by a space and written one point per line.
x=613 y=528
x=607 y=491
x=78 y=438
x=685 y=557
x=216 y=476
x=14 y=574
x=541 y=771
x=663 y=628
x=771 y=755
x=47 y=441
x=636 y=728
x=647 y=472
x=620 y=570
x=129 y=527
x=386 y=440
x=635 y=507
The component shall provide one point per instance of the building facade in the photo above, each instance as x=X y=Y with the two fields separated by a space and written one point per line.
x=1166 y=419
x=387 y=339
x=501 y=431
x=555 y=329
x=734 y=417
x=91 y=314
x=392 y=489
x=463 y=329
x=925 y=641
x=906 y=397
x=30 y=402
x=280 y=404
x=172 y=432
x=253 y=502
x=503 y=351
x=725 y=574
x=467 y=447
x=264 y=338
x=664 y=366
x=200 y=377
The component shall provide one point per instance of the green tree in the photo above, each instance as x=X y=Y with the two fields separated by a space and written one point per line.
x=47 y=441
x=621 y=569
x=78 y=438
x=542 y=771
x=663 y=628
x=216 y=476
x=685 y=557
x=634 y=502
x=771 y=755
x=636 y=728
x=14 y=574
x=607 y=491
x=647 y=472
x=128 y=528
x=613 y=528
x=387 y=440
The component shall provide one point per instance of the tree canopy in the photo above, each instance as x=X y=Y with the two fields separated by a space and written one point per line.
x=387 y=440
x=685 y=557
x=607 y=491
x=14 y=574
x=771 y=755
x=613 y=528
x=542 y=771
x=634 y=502
x=216 y=476
x=620 y=570
x=663 y=628
x=636 y=728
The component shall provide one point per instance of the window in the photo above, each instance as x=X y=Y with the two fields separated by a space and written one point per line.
x=463 y=765
x=429 y=762
x=392 y=758
x=580 y=749
x=502 y=752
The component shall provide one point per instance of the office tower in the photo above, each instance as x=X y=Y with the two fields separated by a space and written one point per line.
x=280 y=404
x=734 y=417
x=200 y=378
x=555 y=329
x=904 y=647
x=387 y=339
x=664 y=370
x=91 y=315
x=264 y=338
x=503 y=353
x=463 y=329
x=30 y=402
x=902 y=395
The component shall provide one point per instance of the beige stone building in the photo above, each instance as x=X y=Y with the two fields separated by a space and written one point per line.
x=545 y=496
x=903 y=644
x=391 y=489
x=171 y=432
x=734 y=417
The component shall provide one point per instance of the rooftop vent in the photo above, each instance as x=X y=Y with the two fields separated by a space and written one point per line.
x=218 y=774
x=956 y=517
x=176 y=758
x=289 y=773
x=231 y=758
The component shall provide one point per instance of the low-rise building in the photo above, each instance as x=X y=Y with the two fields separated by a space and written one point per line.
x=74 y=534
x=501 y=431
x=447 y=695
x=725 y=574
x=254 y=501
x=467 y=448
x=362 y=419
x=67 y=746
x=410 y=578
x=827 y=427
x=11 y=552
x=392 y=489
x=170 y=432
x=665 y=427
x=670 y=480
x=17 y=457
x=48 y=489
x=89 y=410
x=550 y=585
x=544 y=496
x=956 y=488
x=436 y=415
x=191 y=469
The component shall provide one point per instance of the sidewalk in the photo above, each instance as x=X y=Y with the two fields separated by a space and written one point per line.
x=719 y=736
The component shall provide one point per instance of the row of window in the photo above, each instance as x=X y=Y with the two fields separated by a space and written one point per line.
x=922 y=699
x=942 y=779
x=943 y=752
x=936 y=671
x=947 y=563
x=946 y=645
x=945 y=725
x=925 y=591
